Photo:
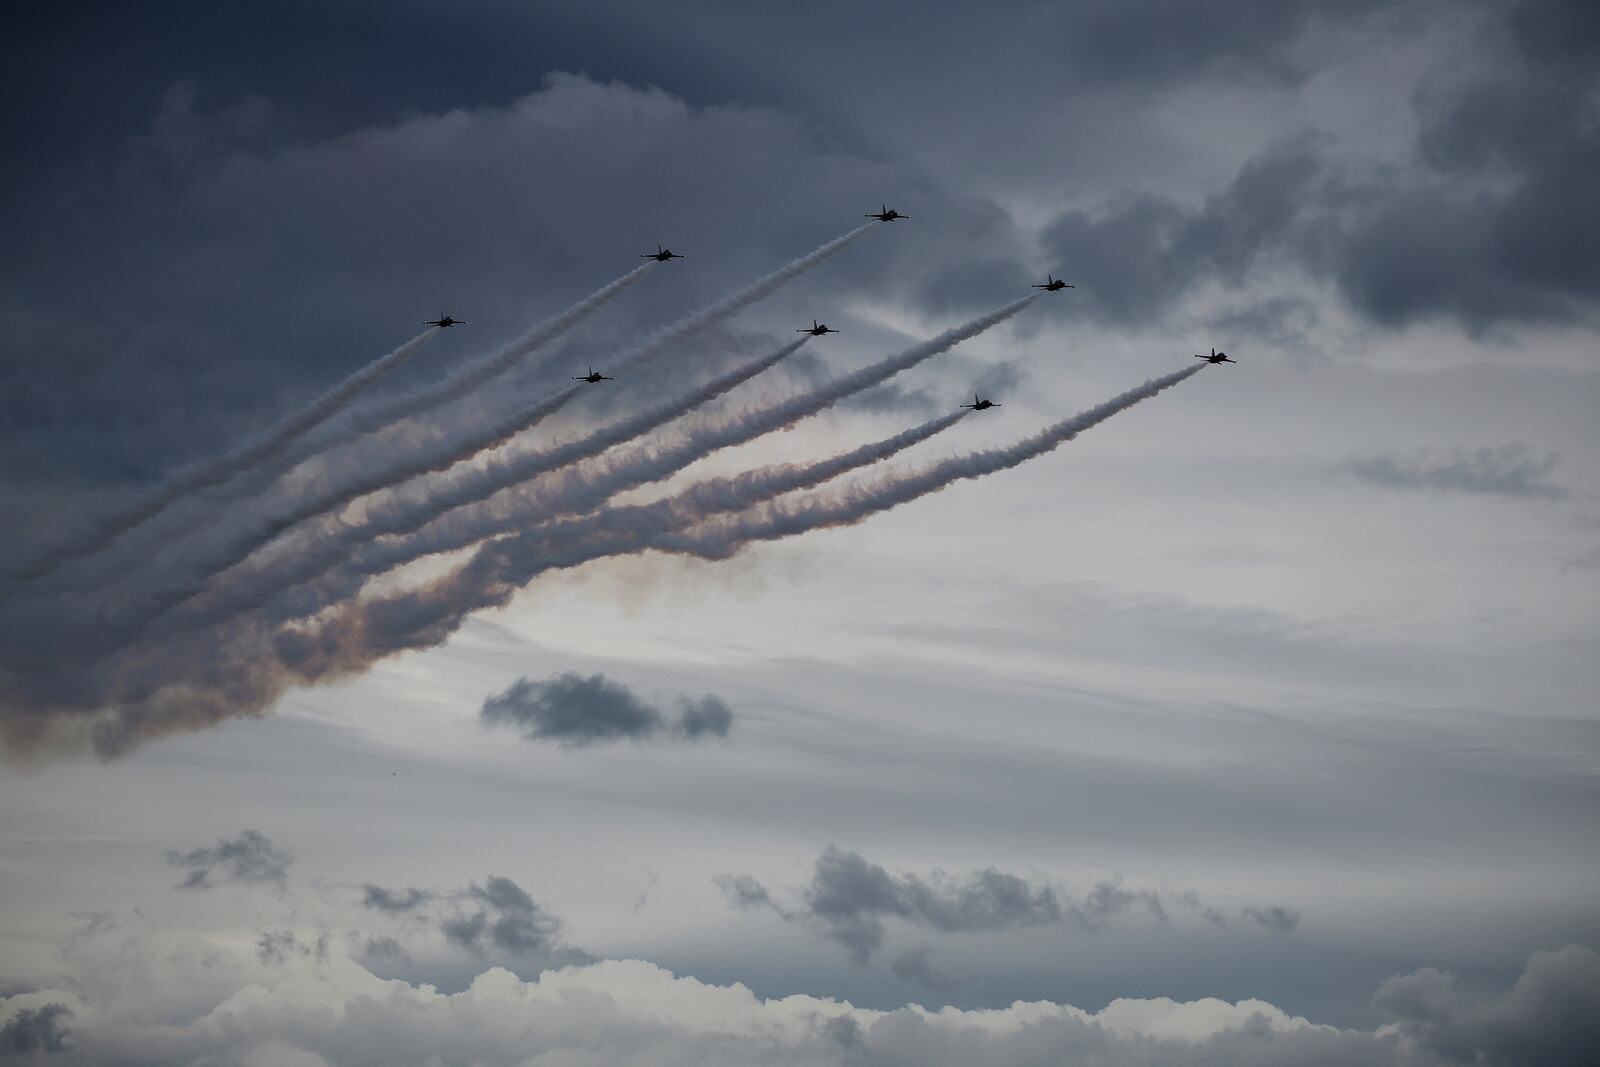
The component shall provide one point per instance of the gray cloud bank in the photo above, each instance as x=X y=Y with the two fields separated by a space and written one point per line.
x=629 y=1012
x=249 y=859
x=575 y=711
x=1510 y=470
x=849 y=899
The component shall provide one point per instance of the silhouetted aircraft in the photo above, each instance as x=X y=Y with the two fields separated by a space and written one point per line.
x=817 y=331
x=1216 y=357
x=444 y=320
x=592 y=377
x=1050 y=285
x=981 y=405
x=886 y=214
x=662 y=254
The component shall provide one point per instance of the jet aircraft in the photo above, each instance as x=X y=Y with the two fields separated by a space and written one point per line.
x=445 y=320
x=886 y=214
x=661 y=254
x=981 y=405
x=816 y=330
x=592 y=377
x=1051 y=285
x=1216 y=357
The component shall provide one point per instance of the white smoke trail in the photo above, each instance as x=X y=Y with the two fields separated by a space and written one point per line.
x=238 y=546
x=362 y=632
x=513 y=561
x=407 y=510
x=228 y=672
x=579 y=489
x=702 y=499
x=385 y=411
x=725 y=309
x=104 y=532
x=357 y=420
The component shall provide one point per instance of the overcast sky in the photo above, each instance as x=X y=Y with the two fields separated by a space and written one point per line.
x=1256 y=724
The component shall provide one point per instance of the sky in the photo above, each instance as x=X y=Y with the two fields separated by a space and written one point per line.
x=372 y=693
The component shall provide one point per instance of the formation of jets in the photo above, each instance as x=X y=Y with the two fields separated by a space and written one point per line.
x=885 y=213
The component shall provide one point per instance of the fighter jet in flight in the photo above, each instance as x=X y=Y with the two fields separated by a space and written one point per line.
x=592 y=377
x=661 y=254
x=816 y=330
x=1051 y=285
x=886 y=214
x=981 y=405
x=1216 y=357
x=445 y=320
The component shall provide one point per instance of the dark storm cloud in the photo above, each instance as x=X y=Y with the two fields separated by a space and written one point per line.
x=33 y=1031
x=1550 y=1017
x=1512 y=470
x=507 y=920
x=393 y=901
x=250 y=859
x=574 y=711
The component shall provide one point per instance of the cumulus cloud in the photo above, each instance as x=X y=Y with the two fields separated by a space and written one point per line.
x=849 y=901
x=575 y=711
x=1510 y=470
x=336 y=1012
x=249 y=859
x=1550 y=1016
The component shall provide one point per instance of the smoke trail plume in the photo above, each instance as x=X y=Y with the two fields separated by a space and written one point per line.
x=359 y=419
x=704 y=498
x=384 y=411
x=730 y=306
x=233 y=548
x=509 y=563
x=407 y=510
x=579 y=488
x=231 y=672
x=104 y=532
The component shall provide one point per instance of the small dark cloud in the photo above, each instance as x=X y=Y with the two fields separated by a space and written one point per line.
x=1510 y=470
x=281 y=946
x=743 y=891
x=575 y=711
x=1274 y=916
x=33 y=1031
x=507 y=921
x=1110 y=899
x=250 y=859
x=385 y=950
x=393 y=901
